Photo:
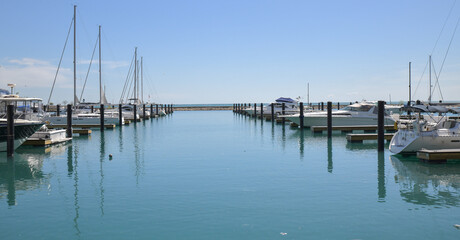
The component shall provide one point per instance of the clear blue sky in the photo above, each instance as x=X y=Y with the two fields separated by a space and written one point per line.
x=233 y=51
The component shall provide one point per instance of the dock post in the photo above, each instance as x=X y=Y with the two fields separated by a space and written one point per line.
x=319 y=106
x=120 y=115
x=143 y=110
x=322 y=106
x=301 y=115
x=283 y=107
x=380 y=126
x=58 y=110
x=92 y=109
x=151 y=110
x=165 y=109
x=69 y=121
x=338 y=105
x=329 y=119
x=135 y=113
x=262 y=111
x=273 y=112
x=255 y=110
x=156 y=109
x=10 y=130
x=102 y=117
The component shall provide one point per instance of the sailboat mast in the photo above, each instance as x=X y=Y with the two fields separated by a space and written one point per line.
x=135 y=73
x=75 y=55
x=308 y=94
x=429 y=96
x=142 y=80
x=410 y=93
x=100 y=70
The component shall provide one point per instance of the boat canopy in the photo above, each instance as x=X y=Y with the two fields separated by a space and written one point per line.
x=428 y=108
x=285 y=100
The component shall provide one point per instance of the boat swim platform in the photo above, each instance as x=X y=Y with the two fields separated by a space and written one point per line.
x=108 y=126
x=439 y=156
x=359 y=138
x=82 y=131
x=366 y=128
x=44 y=142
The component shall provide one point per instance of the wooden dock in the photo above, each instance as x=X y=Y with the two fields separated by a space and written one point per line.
x=319 y=129
x=362 y=137
x=44 y=142
x=108 y=126
x=438 y=155
x=82 y=131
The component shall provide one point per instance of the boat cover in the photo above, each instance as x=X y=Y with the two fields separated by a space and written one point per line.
x=285 y=100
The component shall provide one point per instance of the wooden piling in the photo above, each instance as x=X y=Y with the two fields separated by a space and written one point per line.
x=301 y=115
x=69 y=121
x=255 y=110
x=135 y=113
x=151 y=110
x=262 y=111
x=92 y=109
x=322 y=106
x=143 y=111
x=120 y=115
x=10 y=130
x=156 y=106
x=283 y=107
x=380 y=126
x=58 y=110
x=329 y=119
x=273 y=112
x=338 y=105
x=102 y=117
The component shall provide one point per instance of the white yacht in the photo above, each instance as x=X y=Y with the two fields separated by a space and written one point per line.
x=26 y=118
x=84 y=119
x=290 y=107
x=363 y=113
x=427 y=131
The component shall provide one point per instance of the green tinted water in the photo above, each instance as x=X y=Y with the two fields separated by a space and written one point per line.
x=217 y=175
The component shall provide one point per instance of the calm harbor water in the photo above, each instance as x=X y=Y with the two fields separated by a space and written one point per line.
x=218 y=175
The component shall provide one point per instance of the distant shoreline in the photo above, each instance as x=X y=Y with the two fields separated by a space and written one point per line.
x=203 y=108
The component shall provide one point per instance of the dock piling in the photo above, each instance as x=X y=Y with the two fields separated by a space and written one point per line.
x=120 y=115
x=273 y=112
x=262 y=111
x=58 y=110
x=380 y=126
x=135 y=113
x=301 y=115
x=283 y=107
x=143 y=111
x=102 y=117
x=329 y=119
x=69 y=121
x=10 y=130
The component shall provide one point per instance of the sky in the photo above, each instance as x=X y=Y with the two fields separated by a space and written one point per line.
x=219 y=51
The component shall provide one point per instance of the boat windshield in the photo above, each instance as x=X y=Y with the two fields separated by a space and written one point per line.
x=359 y=108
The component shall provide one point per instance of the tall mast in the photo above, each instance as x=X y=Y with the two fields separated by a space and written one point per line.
x=75 y=100
x=135 y=73
x=410 y=93
x=142 y=79
x=429 y=96
x=308 y=94
x=100 y=70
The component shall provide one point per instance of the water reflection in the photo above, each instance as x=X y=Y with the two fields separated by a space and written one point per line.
x=25 y=171
x=427 y=184
x=101 y=172
x=329 y=155
x=382 y=192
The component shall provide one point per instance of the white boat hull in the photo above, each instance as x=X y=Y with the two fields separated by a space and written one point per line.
x=338 y=120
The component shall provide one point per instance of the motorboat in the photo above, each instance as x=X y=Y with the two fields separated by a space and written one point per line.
x=427 y=131
x=291 y=106
x=362 y=113
x=22 y=130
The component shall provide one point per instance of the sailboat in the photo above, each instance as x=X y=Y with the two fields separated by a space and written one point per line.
x=79 y=118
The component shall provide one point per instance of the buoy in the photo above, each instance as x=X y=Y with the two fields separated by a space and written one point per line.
x=110 y=156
